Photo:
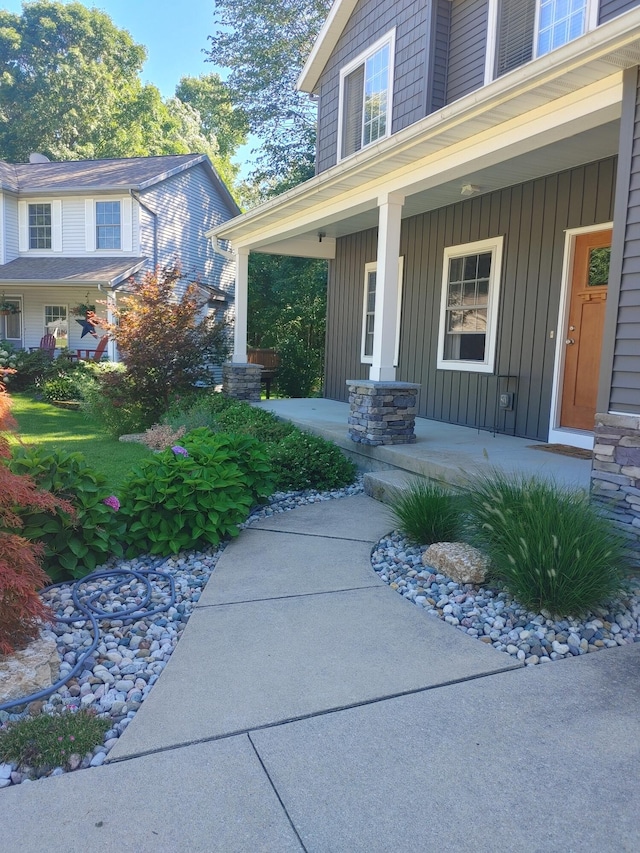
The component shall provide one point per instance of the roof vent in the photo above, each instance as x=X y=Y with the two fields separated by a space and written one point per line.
x=38 y=158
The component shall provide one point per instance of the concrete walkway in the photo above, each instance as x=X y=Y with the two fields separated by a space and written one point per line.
x=308 y=707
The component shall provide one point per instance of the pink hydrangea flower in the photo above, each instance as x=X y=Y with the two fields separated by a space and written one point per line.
x=179 y=451
x=113 y=502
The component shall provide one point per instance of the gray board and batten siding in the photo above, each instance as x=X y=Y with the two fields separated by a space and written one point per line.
x=532 y=217
x=619 y=389
x=372 y=19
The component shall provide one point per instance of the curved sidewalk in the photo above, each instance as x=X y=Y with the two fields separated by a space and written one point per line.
x=309 y=707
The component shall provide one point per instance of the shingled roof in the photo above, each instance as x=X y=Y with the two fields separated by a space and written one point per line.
x=108 y=271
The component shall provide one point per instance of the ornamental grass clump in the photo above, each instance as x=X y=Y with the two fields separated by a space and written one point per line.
x=50 y=741
x=546 y=544
x=427 y=512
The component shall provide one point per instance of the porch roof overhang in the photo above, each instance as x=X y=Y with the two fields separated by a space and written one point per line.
x=553 y=113
x=102 y=272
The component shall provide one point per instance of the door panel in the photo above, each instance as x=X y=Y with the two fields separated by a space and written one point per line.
x=583 y=334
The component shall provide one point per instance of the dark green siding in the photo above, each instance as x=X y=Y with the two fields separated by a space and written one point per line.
x=532 y=217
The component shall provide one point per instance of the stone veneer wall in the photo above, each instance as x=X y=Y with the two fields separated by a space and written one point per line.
x=382 y=412
x=241 y=381
x=615 y=472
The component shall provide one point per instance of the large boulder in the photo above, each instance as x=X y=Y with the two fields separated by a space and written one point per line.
x=29 y=670
x=461 y=562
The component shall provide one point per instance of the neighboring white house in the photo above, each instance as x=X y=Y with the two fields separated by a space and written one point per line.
x=73 y=233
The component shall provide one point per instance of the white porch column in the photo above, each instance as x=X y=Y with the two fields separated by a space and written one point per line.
x=112 y=349
x=241 y=299
x=386 y=308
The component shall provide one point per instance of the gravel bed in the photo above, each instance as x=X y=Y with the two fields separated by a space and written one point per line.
x=118 y=676
x=495 y=618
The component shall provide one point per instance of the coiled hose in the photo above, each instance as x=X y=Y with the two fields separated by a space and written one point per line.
x=87 y=608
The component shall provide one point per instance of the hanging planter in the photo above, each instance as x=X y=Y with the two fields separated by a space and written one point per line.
x=82 y=309
x=7 y=308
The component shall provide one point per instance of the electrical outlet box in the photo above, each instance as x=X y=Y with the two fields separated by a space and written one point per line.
x=506 y=401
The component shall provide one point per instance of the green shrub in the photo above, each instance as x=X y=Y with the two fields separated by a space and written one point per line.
x=67 y=383
x=31 y=367
x=112 y=400
x=427 y=512
x=247 y=452
x=73 y=545
x=546 y=544
x=175 y=501
x=305 y=461
x=49 y=741
x=248 y=420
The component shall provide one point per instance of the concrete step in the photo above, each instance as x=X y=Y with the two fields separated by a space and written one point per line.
x=385 y=486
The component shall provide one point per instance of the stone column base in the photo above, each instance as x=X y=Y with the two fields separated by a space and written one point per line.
x=241 y=381
x=382 y=412
x=615 y=470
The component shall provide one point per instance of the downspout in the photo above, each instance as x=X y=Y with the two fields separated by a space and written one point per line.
x=153 y=214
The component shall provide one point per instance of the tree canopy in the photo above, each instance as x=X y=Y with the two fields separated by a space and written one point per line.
x=265 y=44
x=70 y=88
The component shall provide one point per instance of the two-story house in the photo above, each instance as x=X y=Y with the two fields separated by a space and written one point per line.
x=73 y=233
x=478 y=198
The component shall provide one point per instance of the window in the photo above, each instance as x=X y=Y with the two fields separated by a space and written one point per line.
x=525 y=29
x=108 y=225
x=365 y=97
x=55 y=323
x=39 y=226
x=469 y=307
x=369 y=311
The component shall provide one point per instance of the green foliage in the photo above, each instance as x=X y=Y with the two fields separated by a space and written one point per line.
x=265 y=45
x=114 y=403
x=287 y=311
x=305 y=461
x=49 y=741
x=74 y=543
x=71 y=382
x=175 y=502
x=32 y=368
x=71 y=89
x=248 y=420
x=427 y=512
x=548 y=546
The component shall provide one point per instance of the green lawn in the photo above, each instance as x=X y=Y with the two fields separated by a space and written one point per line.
x=44 y=424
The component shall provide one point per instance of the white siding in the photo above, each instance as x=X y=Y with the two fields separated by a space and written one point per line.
x=10 y=228
x=187 y=205
x=35 y=298
x=2 y=237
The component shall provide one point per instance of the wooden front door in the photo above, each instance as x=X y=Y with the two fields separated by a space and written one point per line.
x=583 y=333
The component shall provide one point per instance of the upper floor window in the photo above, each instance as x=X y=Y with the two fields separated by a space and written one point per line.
x=39 y=226
x=469 y=306
x=108 y=225
x=365 y=97
x=526 y=29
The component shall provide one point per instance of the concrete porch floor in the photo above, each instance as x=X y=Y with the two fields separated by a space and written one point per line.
x=442 y=451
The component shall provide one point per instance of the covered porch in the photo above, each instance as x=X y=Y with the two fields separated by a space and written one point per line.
x=444 y=452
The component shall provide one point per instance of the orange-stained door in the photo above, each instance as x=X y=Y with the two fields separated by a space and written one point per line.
x=583 y=334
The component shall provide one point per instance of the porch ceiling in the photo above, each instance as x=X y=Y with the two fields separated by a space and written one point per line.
x=559 y=111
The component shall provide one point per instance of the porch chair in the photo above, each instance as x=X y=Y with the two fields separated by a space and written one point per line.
x=93 y=354
x=47 y=345
x=270 y=361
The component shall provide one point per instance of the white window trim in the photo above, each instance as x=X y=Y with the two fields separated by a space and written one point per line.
x=44 y=318
x=492 y=34
x=126 y=225
x=373 y=267
x=494 y=245
x=390 y=39
x=56 y=225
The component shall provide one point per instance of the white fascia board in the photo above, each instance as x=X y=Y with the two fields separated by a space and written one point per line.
x=324 y=44
x=303 y=247
x=563 y=118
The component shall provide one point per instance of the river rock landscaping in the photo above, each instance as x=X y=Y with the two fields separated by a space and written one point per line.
x=494 y=617
x=130 y=656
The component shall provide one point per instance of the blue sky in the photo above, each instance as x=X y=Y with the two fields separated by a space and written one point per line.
x=174 y=34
